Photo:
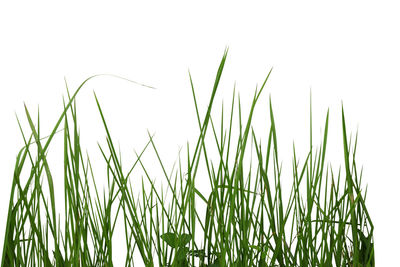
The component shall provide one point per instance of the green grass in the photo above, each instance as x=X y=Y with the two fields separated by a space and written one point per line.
x=246 y=218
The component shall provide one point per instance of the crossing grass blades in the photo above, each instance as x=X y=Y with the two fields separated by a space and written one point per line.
x=243 y=220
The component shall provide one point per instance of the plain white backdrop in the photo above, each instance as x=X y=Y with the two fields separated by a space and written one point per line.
x=343 y=51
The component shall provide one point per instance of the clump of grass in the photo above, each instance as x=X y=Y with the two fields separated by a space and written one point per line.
x=243 y=220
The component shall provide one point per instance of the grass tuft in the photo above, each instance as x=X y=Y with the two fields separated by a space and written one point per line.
x=246 y=218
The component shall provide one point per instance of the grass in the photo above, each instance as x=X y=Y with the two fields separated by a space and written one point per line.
x=244 y=219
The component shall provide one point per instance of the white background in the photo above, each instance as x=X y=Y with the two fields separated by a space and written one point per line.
x=343 y=51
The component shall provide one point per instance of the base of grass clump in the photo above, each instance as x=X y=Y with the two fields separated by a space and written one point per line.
x=241 y=221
